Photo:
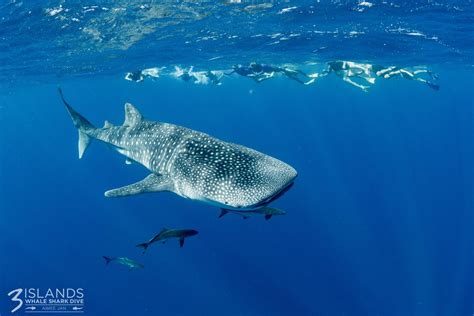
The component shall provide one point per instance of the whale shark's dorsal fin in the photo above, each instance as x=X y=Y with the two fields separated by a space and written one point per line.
x=132 y=116
x=107 y=124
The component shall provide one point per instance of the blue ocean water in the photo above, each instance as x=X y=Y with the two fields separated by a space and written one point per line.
x=379 y=221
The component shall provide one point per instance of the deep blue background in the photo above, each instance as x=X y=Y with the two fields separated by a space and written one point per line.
x=379 y=221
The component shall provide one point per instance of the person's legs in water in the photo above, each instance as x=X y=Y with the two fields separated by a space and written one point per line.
x=414 y=75
x=244 y=71
x=349 y=71
x=295 y=74
x=185 y=76
x=215 y=76
x=430 y=84
x=349 y=76
x=152 y=72
x=262 y=76
x=255 y=68
x=180 y=73
x=337 y=67
x=409 y=74
x=357 y=69
x=423 y=70
x=235 y=69
x=136 y=76
x=350 y=81
x=321 y=74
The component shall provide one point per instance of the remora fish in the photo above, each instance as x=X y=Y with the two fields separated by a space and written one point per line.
x=124 y=261
x=267 y=212
x=191 y=164
x=166 y=234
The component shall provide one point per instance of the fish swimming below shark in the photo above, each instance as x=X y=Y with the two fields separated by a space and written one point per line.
x=191 y=164
x=166 y=234
x=266 y=211
x=131 y=264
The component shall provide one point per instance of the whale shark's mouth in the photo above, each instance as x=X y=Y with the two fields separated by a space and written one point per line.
x=254 y=206
x=275 y=196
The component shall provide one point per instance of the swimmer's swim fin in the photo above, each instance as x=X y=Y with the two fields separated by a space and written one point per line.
x=433 y=86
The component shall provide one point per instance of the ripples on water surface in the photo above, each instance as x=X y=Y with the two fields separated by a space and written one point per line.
x=57 y=38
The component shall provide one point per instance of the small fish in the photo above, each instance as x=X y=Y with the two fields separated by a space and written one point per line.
x=268 y=212
x=166 y=234
x=124 y=261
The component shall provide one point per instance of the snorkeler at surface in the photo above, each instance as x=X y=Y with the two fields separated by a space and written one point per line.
x=249 y=72
x=261 y=72
x=350 y=72
x=353 y=73
x=183 y=74
x=140 y=75
x=414 y=73
x=215 y=76
x=298 y=76
x=134 y=76
x=199 y=77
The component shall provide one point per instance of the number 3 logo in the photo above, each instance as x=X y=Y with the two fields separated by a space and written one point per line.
x=16 y=293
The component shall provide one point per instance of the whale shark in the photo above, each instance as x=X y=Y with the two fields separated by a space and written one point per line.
x=192 y=164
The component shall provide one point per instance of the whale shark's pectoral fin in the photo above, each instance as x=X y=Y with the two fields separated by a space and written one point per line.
x=181 y=242
x=268 y=216
x=152 y=183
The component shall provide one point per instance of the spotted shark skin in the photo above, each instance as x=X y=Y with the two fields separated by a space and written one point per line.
x=189 y=163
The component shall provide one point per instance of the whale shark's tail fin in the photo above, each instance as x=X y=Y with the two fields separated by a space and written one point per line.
x=82 y=125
